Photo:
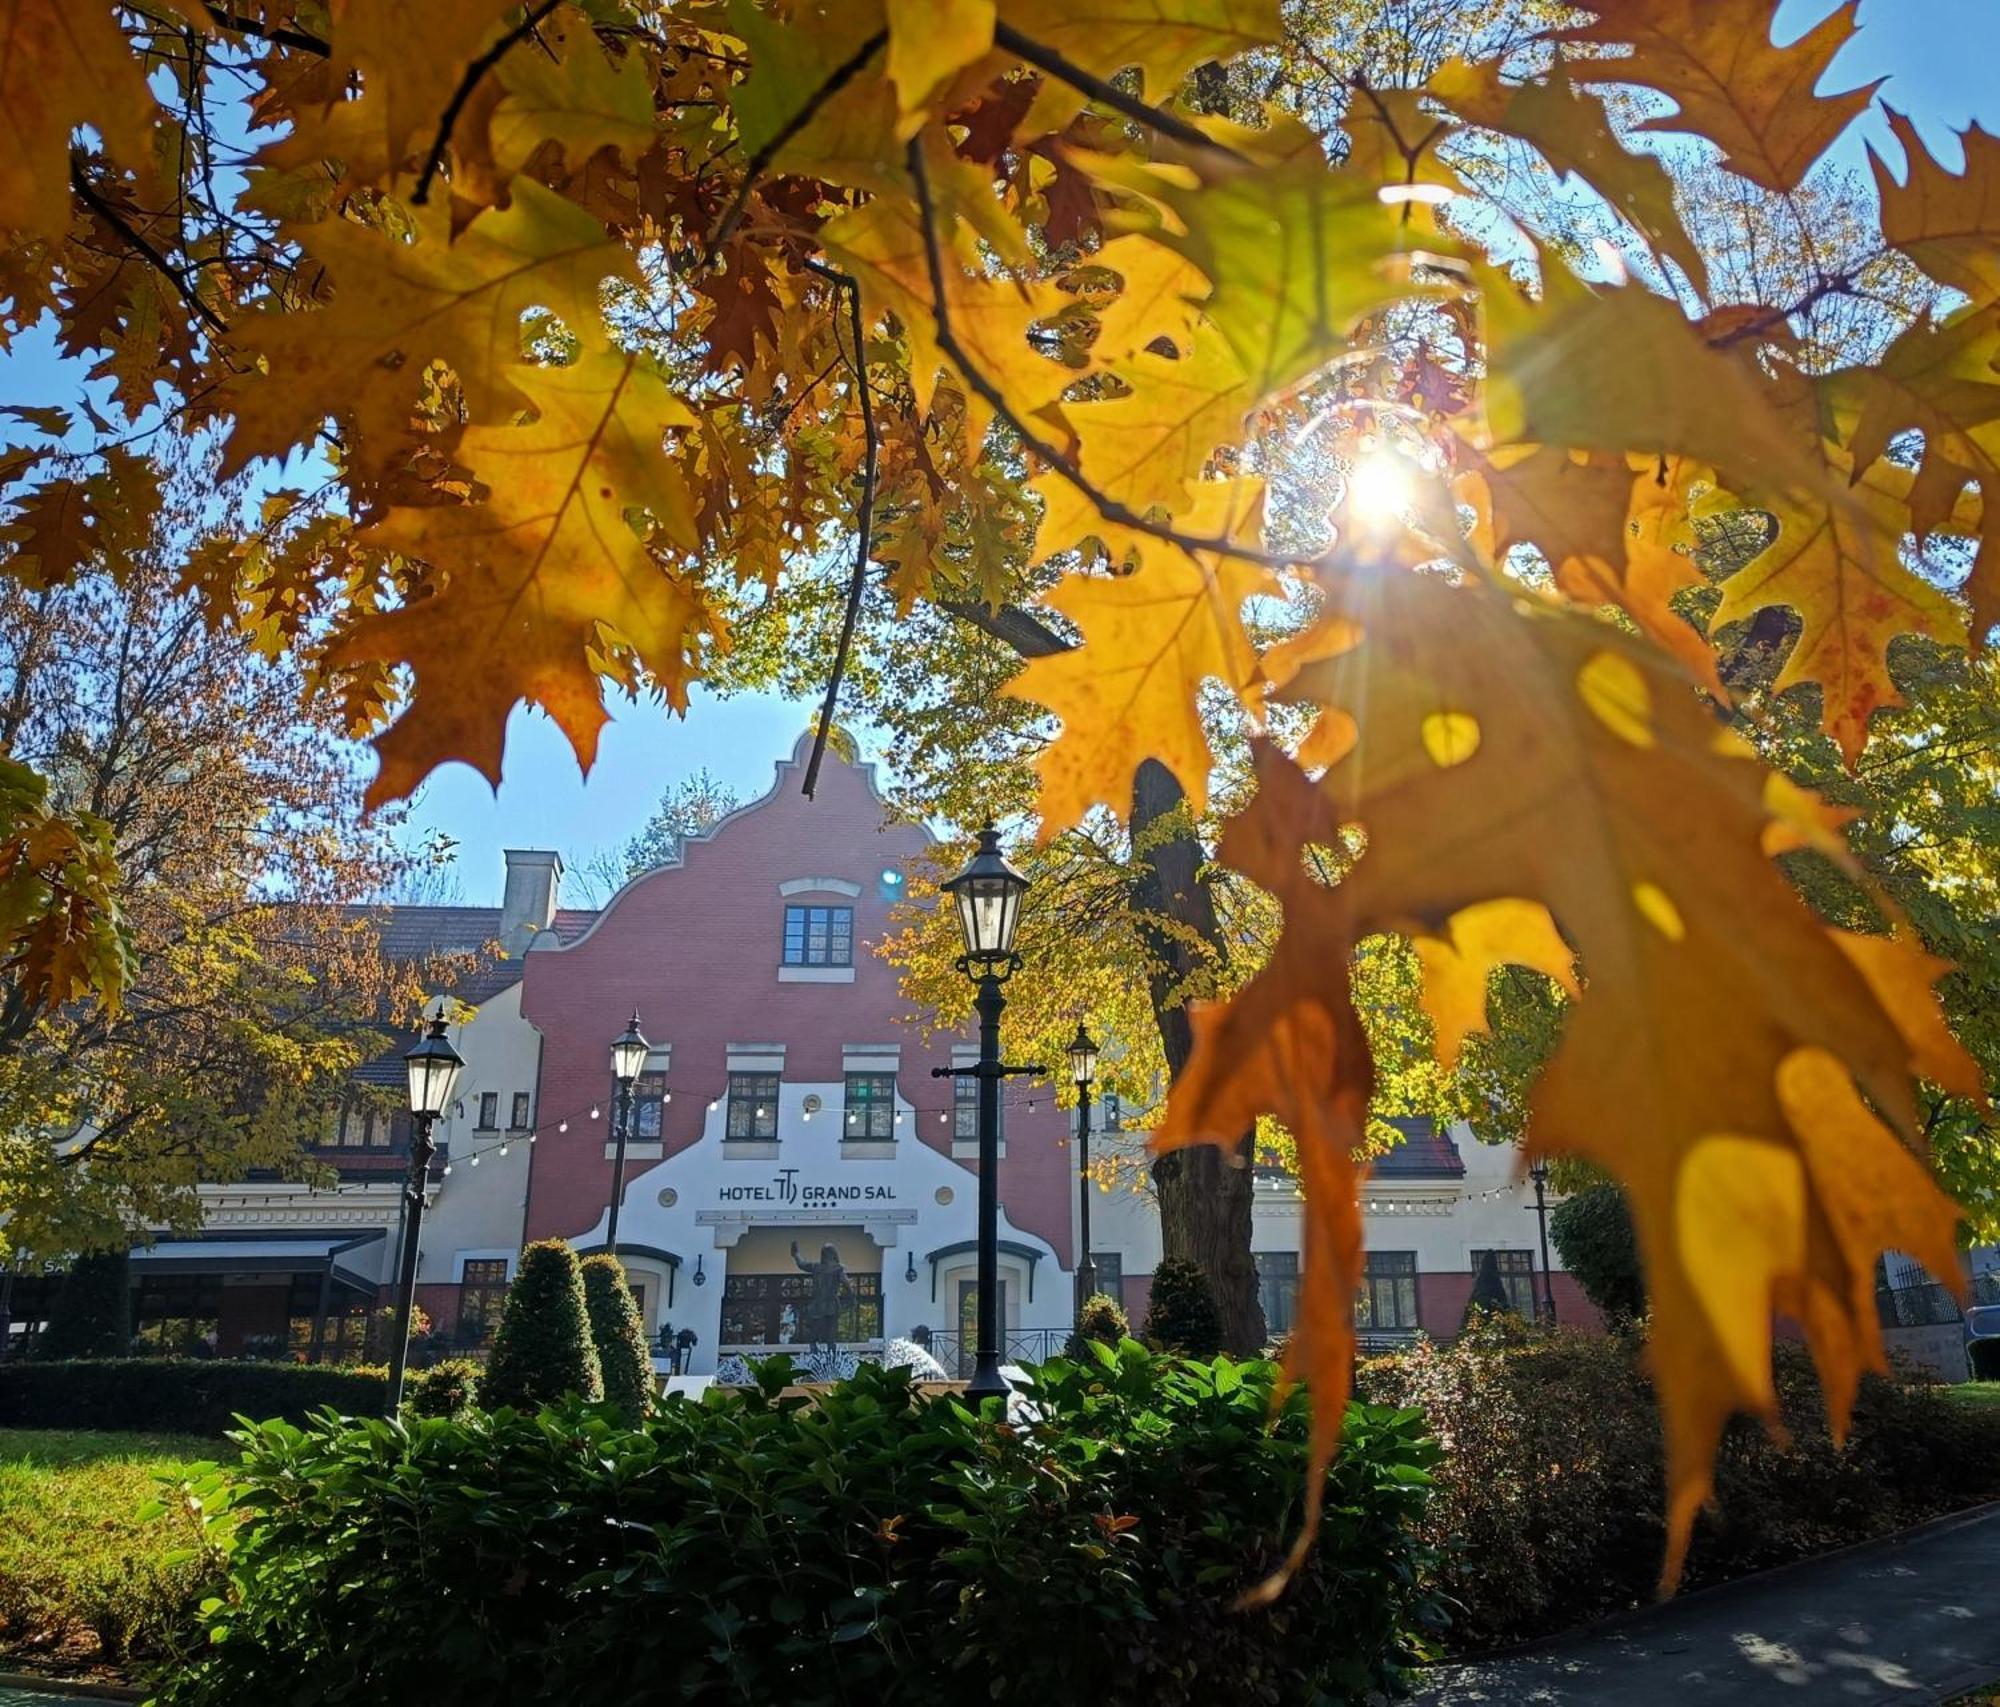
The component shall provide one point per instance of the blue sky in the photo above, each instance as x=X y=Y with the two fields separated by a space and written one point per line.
x=1938 y=57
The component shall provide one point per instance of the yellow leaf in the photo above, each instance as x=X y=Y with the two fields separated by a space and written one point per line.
x=1162 y=39
x=63 y=63
x=1947 y=222
x=399 y=306
x=1716 y=60
x=1142 y=449
x=1150 y=639
x=574 y=95
x=540 y=579
x=930 y=42
x=1834 y=562
x=1600 y=812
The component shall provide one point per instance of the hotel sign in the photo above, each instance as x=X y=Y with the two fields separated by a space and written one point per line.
x=787 y=1190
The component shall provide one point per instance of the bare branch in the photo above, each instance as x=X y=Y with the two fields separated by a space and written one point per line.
x=463 y=93
x=165 y=268
x=864 y=522
x=1032 y=52
x=1012 y=626
x=836 y=80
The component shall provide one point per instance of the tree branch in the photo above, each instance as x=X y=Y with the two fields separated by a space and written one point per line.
x=463 y=93
x=165 y=268
x=1107 y=506
x=864 y=522
x=1032 y=52
x=836 y=80
x=237 y=24
x=1012 y=626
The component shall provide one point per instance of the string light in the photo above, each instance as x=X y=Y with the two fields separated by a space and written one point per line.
x=473 y=1159
x=593 y=1114
x=503 y=1149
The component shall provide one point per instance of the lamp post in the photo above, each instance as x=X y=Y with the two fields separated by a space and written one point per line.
x=628 y=1061
x=988 y=895
x=432 y=1068
x=1539 y=1173
x=1083 y=1069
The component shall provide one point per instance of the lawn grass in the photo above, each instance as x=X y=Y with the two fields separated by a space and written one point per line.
x=88 y=1578
x=1981 y=1395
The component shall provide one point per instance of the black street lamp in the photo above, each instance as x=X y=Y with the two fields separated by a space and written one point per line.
x=628 y=1061
x=433 y=1068
x=1083 y=1069
x=1539 y=1173
x=988 y=895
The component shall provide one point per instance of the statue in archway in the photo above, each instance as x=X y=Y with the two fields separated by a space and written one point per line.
x=821 y=1317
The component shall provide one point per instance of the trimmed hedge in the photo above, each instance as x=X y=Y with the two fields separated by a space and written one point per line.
x=619 y=1333
x=180 y=1395
x=867 y=1545
x=1181 y=1314
x=543 y=1351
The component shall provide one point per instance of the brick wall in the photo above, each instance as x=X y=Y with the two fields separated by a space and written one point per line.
x=695 y=948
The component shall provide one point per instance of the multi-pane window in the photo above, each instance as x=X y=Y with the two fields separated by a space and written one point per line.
x=1517 y=1278
x=1387 y=1301
x=819 y=936
x=1278 y=1289
x=521 y=1105
x=1109 y=1273
x=483 y=1290
x=489 y=1110
x=870 y=1106
x=965 y=1109
x=649 y=1105
x=753 y=1105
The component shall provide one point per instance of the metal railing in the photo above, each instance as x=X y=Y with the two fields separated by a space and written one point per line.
x=955 y=1350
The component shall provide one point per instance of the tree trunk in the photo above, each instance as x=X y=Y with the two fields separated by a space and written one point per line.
x=1205 y=1193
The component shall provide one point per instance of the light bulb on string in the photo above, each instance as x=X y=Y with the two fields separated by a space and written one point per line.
x=562 y=1126
x=593 y=1114
x=473 y=1160
x=503 y=1149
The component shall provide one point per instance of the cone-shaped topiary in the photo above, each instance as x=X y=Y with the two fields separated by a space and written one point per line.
x=92 y=1316
x=1182 y=1315
x=1103 y=1319
x=543 y=1348
x=1489 y=1295
x=619 y=1334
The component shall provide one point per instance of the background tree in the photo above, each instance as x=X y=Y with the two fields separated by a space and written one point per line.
x=544 y=1348
x=1489 y=1293
x=1592 y=1231
x=618 y=1335
x=231 y=804
x=690 y=807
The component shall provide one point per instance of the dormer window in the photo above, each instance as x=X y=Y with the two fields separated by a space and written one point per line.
x=819 y=936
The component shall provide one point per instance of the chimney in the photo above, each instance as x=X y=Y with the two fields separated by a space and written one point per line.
x=529 y=905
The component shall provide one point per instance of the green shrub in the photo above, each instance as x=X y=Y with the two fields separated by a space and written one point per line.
x=1593 y=1232
x=1181 y=1314
x=866 y=1545
x=447 y=1389
x=180 y=1395
x=92 y=1314
x=1550 y=1498
x=1102 y=1319
x=94 y=1550
x=543 y=1351
x=619 y=1335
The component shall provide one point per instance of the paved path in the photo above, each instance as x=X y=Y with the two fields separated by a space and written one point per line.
x=1910 y=1621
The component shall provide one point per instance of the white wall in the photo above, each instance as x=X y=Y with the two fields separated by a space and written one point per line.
x=478 y=1211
